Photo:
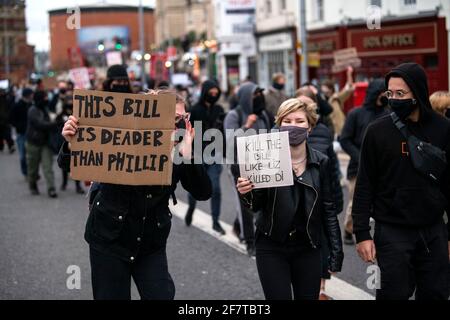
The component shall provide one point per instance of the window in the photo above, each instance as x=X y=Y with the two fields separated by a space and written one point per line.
x=375 y=3
x=268 y=7
x=409 y=2
x=7 y=41
x=282 y=5
x=319 y=10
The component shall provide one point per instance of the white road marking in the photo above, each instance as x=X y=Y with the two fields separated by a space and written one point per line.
x=335 y=288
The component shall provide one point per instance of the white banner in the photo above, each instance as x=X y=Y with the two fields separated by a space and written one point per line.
x=265 y=159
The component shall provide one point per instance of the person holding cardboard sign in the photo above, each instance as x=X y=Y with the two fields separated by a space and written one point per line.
x=289 y=227
x=128 y=226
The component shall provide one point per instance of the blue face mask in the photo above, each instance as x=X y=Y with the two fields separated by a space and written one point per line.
x=403 y=108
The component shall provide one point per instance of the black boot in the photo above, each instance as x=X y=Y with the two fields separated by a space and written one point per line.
x=79 y=188
x=188 y=217
x=65 y=175
x=34 y=188
x=217 y=227
x=52 y=193
x=251 y=250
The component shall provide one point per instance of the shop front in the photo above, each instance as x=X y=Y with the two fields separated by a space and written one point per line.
x=277 y=53
x=422 y=39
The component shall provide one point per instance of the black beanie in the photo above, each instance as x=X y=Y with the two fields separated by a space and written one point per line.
x=117 y=71
x=416 y=79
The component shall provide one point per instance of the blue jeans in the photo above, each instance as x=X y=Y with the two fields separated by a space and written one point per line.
x=20 y=140
x=213 y=171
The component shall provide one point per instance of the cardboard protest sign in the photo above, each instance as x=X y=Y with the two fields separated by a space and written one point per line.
x=265 y=159
x=344 y=58
x=123 y=138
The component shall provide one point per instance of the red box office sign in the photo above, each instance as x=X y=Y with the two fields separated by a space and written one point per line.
x=395 y=40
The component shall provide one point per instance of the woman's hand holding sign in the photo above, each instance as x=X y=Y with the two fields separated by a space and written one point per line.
x=244 y=186
x=70 y=129
x=188 y=139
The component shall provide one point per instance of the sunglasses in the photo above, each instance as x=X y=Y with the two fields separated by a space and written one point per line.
x=180 y=117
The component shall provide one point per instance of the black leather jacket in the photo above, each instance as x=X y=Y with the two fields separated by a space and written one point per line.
x=125 y=221
x=280 y=205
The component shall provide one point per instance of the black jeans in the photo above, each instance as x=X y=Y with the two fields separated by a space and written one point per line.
x=5 y=135
x=286 y=267
x=412 y=260
x=111 y=276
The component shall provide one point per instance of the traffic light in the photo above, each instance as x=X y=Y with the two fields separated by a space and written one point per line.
x=118 y=44
x=101 y=46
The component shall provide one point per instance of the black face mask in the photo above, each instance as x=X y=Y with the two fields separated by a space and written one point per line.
x=447 y=113
x=259 y=104
x=120 y=88
x=278 y=86
x=403 y=108
x=211 y=99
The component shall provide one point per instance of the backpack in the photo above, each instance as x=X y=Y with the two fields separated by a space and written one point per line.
x=426 y=158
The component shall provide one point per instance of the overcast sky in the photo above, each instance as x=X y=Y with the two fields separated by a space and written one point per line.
x=37 y=16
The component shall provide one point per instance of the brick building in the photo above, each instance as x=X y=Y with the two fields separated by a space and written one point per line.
x=16 y=56
x=99 y=23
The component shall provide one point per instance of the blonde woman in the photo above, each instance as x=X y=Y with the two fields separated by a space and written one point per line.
x=440 y=101
x=288 y=229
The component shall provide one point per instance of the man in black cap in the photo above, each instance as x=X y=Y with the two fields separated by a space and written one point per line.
x=411 y=243
x=117 y=80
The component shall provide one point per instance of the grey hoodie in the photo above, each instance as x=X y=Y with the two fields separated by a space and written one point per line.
x=245 y=99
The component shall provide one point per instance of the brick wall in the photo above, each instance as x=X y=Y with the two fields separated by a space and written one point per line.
x=62 y=38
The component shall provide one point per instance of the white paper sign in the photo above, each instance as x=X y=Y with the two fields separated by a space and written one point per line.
x=113 y=58
x=80 y=77
x=265 y=159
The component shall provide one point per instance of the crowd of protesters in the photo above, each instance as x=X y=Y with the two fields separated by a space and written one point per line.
x=294 y=231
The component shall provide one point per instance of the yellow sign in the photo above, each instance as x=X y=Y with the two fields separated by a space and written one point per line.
x=314 y=59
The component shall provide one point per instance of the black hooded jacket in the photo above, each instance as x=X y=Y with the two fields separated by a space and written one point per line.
x=321 y=139
x=19 y=116
x=39 y=126
x=211 y=117
x=388 y=187
x=357 y=122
